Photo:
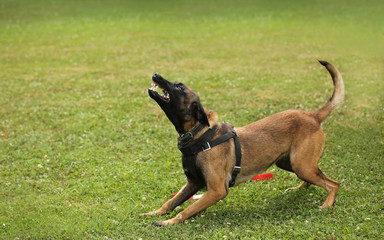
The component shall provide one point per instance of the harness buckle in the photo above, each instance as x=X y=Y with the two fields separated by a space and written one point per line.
x=186 y=137
x=236 y=170
x=208 y=147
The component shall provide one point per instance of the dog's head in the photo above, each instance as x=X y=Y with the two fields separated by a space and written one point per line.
x=179 y=102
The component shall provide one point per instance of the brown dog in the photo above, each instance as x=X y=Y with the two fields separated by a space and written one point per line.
x=293 y=140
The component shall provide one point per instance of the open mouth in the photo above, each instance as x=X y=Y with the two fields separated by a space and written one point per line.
x=164 y=95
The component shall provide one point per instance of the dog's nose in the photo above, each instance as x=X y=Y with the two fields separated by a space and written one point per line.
x=156 y=75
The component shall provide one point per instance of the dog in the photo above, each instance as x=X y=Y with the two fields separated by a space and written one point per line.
x=292 y=139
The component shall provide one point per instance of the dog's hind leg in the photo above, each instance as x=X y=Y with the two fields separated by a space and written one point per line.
x=316 y=177
x=185 y=192
x=304 y=161
x=284 y=162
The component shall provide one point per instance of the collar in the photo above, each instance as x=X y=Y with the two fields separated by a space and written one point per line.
x=188 y=136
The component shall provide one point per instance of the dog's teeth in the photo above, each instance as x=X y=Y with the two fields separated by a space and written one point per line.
x=154 y=86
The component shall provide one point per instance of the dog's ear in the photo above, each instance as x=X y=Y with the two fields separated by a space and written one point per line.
x=199 y=112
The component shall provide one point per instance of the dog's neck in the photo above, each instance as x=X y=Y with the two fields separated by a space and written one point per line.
x=188 y=126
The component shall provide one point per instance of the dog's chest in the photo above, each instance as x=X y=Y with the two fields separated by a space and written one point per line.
x=191 y=170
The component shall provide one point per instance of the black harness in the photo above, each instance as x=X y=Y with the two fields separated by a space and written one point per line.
x=191 y=147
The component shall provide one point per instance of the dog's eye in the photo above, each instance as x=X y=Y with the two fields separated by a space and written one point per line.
x=179 y=86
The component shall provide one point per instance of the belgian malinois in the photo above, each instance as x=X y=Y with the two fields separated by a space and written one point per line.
x=292 y=139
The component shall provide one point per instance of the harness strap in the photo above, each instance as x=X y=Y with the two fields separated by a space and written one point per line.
x=222 y=139
x=237 y=168
x=207 y=146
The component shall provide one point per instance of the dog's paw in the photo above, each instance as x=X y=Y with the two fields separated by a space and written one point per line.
x=289 y=189
x=168 y=222
x=304 y=184
x=324 y=206
x=160 y=224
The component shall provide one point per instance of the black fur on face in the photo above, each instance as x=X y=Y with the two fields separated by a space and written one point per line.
x=179 y=102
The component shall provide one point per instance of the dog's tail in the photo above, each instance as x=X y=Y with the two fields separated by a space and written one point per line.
x=337 y=96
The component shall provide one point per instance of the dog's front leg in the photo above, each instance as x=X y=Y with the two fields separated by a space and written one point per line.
x=209 y=198
x=185 y=192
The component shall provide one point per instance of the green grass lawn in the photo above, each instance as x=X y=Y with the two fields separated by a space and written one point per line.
x=84 y=150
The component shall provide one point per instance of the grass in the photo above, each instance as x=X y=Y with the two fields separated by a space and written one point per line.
x=84 y=150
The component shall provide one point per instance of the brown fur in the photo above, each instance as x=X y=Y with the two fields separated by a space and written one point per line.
x=293 y=140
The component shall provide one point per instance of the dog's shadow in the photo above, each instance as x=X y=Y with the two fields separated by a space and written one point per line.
x=239 y=208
